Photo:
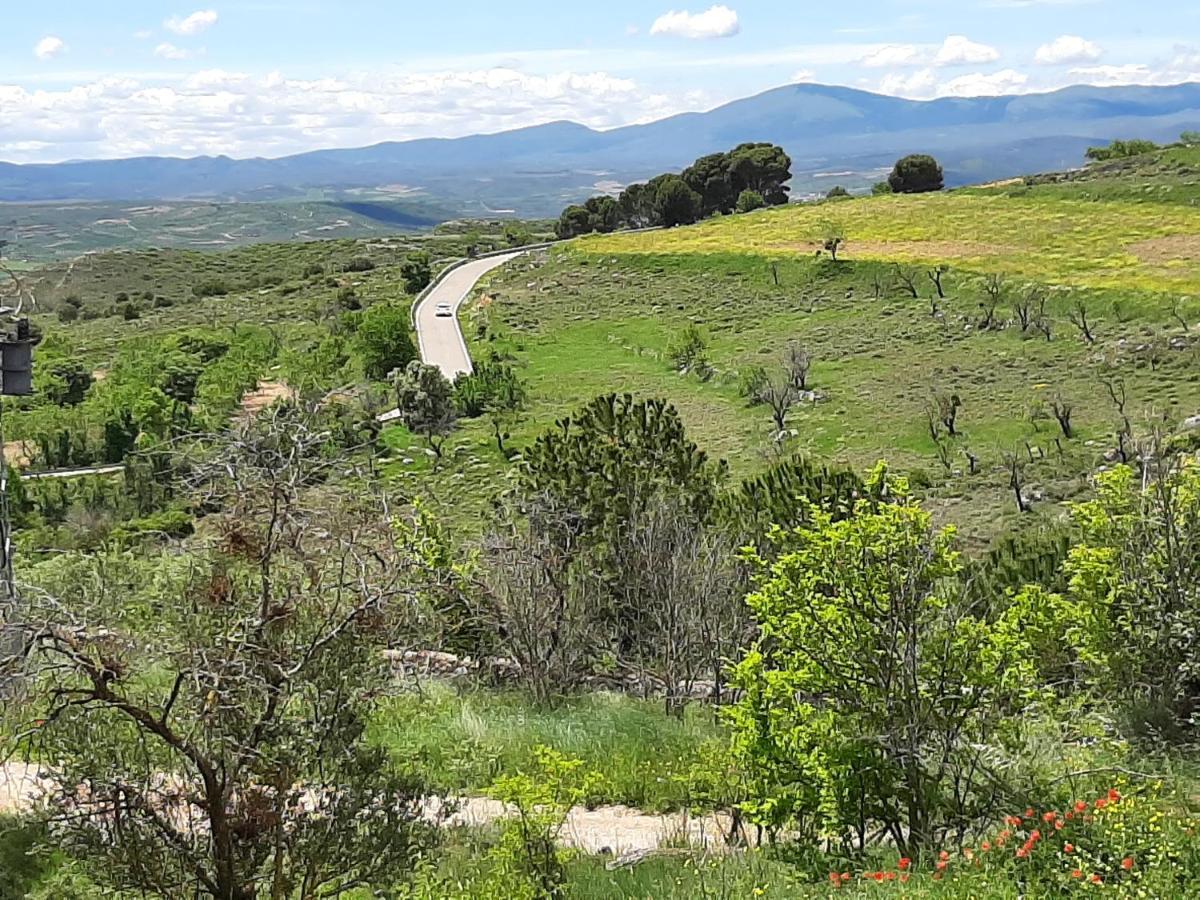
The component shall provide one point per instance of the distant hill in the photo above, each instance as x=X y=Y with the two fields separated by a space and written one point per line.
x=834 y=134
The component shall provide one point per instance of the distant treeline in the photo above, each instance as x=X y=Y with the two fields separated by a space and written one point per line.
x=746 y=178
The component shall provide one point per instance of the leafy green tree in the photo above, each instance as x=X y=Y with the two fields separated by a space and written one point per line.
x=416 y=272
x=675 y=203
x=574 y=222
x=749 y=201
x=916 y=174
x=875 y=695
x=637 y=205
x=836 y=192
x=425 y=399
x=384 y=340
x=1136 y=575
x=1121 y=150
x=762 y=167
x=710 y=178
x=881 y=188
x=612 y=457
x=495 y=390
x=604 y=214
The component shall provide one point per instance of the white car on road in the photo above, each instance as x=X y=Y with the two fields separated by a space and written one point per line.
x=443 y=311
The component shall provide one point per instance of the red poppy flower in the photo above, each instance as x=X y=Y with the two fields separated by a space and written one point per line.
x=944 y=855
x=1049 y=817
x=1114 y=796
x=1068 y=848
x=941 y=865
x=904 y=864
x=1077 y=873
x=1029 y=813
x=1096 y=879
x=904 y=878
x=1127 y=863
x=1080 y=806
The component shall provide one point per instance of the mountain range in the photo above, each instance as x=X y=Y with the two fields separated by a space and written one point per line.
x=834 y=135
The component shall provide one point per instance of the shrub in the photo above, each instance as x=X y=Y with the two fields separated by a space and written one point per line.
x=749 y=200
x=359 y=264
x=848 y=719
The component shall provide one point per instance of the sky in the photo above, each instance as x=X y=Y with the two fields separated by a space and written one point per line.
x=86 y=79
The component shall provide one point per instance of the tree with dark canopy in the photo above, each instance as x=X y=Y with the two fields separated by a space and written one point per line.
x=917 y=174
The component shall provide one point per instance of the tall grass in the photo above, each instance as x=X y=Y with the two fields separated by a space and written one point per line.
x=463 y=742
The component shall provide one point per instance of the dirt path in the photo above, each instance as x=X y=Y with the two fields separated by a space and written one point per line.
x=266 y=393
x=606 y=829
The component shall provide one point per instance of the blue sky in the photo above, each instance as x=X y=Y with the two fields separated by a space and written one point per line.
x=85 y=79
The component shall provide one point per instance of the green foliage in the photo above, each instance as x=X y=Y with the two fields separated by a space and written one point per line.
x=689 y=352
x=749 y=201
x=786 y=495
x=881 y=188
x=384 y=339
x=837 y=192
x=612 y=457
x=845 y=721
x=916 y=174
x=528 y=856
x=1136 y=576
x=425 y=399
x=1121 y=150
x=675 y=203
x=416 y=272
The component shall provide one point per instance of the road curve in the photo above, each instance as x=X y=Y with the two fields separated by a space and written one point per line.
x=441 y=338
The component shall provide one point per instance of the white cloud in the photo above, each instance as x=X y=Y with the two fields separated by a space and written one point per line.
x=1067 y=49
x=715 y=22
x=804 y=76
x=891 y=55
x=49 y=47
x=170 y=51
x=978 y=84
x=925 y=85
x=959 y=50
x=193 y=24
x=225 y=112
x=918 y=85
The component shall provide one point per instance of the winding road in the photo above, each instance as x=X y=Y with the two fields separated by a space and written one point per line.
x=440 y=337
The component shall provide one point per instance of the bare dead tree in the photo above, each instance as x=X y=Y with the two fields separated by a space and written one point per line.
x=538 y=598
x=681 y=583
x=798 y=362
x=1078 y=317
x=220 y=752
x=994 y=290
x=779 y=393
x=1016 y=479
x=1115 y=386
x=972 y=460
x=1062 y=412
x=935 y=275
x=1178 y=315
x=945 y=455
x=1045 y=326
x=1026 y=305
x=833 y=244
x=907 y=279
x=944 y=409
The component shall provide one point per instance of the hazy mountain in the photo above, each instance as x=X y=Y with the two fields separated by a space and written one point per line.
x=831 y=133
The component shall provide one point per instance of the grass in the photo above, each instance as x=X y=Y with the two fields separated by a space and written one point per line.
x=1079 y=243
x=464 y=742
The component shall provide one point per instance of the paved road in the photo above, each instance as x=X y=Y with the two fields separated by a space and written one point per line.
x=73 y=473
x=441 y=339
